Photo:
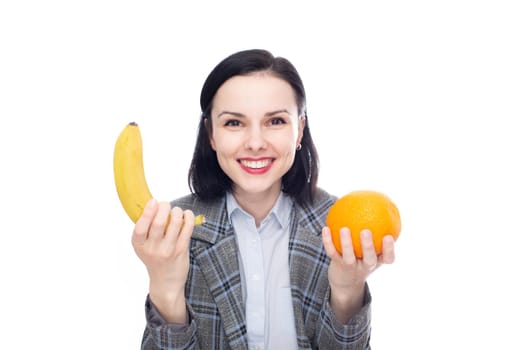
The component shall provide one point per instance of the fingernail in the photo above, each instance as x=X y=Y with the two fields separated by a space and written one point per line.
x=345 y=230
x=388 y=238
x=366 y=234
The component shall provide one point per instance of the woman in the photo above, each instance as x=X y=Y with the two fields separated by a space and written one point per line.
x=262 y=272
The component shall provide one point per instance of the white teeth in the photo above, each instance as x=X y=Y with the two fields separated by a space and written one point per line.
x=256 y=164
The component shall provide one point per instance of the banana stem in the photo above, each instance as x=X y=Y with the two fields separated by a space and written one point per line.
x=200 y=219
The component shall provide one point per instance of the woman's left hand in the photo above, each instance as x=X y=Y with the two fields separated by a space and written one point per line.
x=347 y=274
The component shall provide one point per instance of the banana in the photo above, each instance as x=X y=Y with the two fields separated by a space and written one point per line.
x=128 y=169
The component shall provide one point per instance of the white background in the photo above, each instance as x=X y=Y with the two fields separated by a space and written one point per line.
x=421 y=100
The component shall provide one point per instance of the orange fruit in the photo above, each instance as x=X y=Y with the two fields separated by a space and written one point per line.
x=361 y=210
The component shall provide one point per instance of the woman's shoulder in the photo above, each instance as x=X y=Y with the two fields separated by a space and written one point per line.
x=321 y=195
x=317 y=208
x=212 y=209
x=313 y=214
x=321 y=200
x=194 y=202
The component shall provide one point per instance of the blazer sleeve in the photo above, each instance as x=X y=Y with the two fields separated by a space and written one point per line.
x=355 y=335
x=160 y=334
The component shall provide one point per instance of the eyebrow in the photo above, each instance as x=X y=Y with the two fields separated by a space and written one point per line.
x=268 y=114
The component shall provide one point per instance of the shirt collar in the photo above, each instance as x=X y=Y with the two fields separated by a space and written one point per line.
x=281 y=210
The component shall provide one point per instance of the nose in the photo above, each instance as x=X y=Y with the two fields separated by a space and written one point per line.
x=255 y=139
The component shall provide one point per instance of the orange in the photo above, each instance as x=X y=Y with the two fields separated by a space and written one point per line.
x=361 y=210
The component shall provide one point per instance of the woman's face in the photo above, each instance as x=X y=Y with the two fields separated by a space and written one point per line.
x=256 y=130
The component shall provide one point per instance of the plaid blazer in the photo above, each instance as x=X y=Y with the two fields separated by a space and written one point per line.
x=214 y=293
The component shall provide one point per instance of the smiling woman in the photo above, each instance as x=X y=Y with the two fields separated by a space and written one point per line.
x=206 y=177
x=262 y=271
x=255 y=123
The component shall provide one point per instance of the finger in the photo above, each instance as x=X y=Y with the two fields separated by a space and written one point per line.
x=388 y=256
x=347 y=246
x=369 y=252
x=140 y=232
x=174 y=225
x=329 y=244
x=183 y=241
x=158 y=225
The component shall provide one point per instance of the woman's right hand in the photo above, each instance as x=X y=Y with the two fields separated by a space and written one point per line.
x=165 y=252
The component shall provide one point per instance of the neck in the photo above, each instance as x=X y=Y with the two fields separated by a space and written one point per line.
x=257 y=205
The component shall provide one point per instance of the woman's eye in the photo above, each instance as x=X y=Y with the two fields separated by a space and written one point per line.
x=232 y=122
x=277 y=121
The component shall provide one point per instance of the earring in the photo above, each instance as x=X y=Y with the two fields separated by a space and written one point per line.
x=299 y=146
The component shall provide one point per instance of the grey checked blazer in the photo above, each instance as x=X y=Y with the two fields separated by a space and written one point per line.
x=214 y=292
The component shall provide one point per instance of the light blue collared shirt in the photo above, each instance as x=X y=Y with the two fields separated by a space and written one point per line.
x=265 y=274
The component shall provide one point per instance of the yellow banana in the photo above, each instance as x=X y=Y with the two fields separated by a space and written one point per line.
x=128 y=168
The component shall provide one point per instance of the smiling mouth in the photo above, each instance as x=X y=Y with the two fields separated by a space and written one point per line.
x=256 y=164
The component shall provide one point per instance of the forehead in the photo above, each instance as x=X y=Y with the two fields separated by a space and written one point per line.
x=255 y=92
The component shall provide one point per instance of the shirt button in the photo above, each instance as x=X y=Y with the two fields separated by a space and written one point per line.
x=256 y=277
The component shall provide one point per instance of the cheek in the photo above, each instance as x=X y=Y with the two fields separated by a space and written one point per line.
x=285 y=145
x=222 y=145
x=215 y=140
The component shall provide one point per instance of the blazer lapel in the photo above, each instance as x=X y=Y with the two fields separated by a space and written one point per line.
x=220 y=266
x=308 y=265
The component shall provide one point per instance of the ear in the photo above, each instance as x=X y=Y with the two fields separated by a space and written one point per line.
x=209 y=131
x=301 y=125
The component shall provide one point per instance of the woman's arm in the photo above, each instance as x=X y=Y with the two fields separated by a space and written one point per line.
x=164 y=250
x=347 y=312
